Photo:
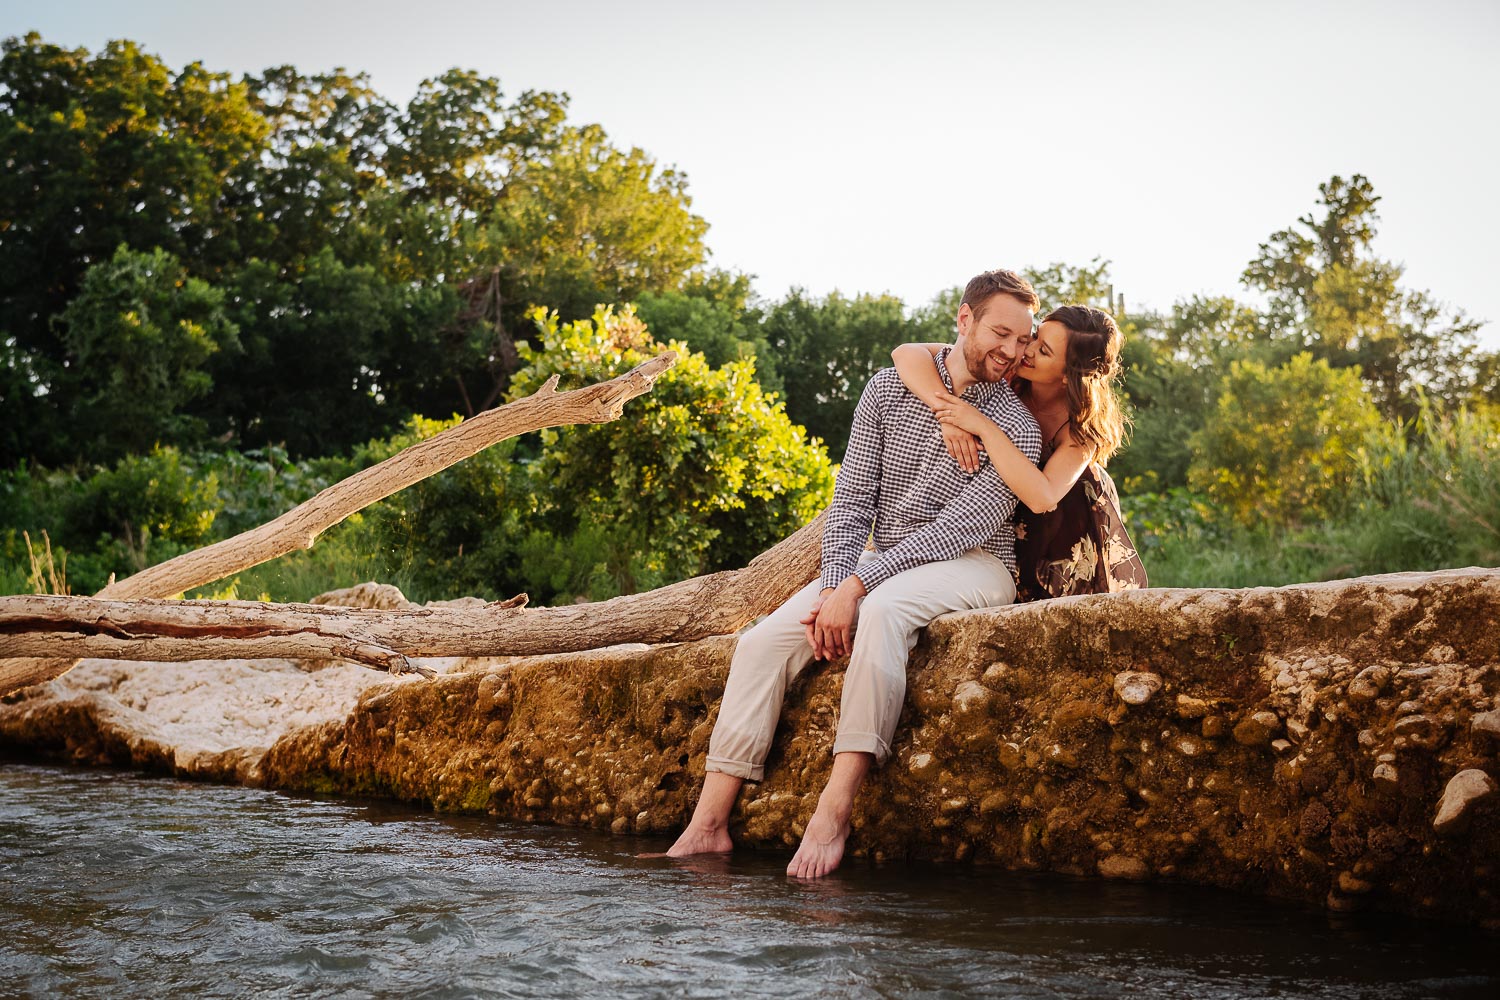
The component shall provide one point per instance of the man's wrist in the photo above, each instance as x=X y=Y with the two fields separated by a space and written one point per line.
x=854 y=585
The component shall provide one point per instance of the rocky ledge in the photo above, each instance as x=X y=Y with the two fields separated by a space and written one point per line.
x=1334 y=743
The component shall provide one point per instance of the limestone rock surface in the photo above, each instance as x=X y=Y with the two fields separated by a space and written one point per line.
x=1298 y=746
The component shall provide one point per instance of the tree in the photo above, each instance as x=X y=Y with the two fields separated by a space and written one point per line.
x=108 y=150
x=1332 y=296
x=702 y=476
x=139 y=337
x=588 y=223
x=712 y=317
x=1174 y=366
x=332 y=354
x=1282 y=444
x=458 y=143
x=1061 y=284
x=321 y=169
x=827 y=349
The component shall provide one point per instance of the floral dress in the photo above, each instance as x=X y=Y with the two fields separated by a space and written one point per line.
x=1081 y=546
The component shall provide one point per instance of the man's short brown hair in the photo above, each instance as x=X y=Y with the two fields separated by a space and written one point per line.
x=983 y=287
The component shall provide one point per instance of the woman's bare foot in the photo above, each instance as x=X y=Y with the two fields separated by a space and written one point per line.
x=701 y=840
x=822 y=846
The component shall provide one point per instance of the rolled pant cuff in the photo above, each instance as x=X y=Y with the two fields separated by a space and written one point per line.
x=863 y=743
x=736 y=768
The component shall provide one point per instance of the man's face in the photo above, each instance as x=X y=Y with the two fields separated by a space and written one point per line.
x=994 y=338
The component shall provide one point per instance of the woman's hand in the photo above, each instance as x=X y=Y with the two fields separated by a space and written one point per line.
x=955 y=412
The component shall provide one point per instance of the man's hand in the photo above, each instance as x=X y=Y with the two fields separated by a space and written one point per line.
x=830 y=624
x=963 y=446
x=812 y=618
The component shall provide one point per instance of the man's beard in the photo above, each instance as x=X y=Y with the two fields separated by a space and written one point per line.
x=978 y=363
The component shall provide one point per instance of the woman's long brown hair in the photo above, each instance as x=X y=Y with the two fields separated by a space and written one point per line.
x=1090 y=368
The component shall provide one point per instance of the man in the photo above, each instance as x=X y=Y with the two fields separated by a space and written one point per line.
x=943 y=542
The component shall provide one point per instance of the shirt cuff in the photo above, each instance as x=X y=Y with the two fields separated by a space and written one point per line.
x=832 y=576
x=873 y=572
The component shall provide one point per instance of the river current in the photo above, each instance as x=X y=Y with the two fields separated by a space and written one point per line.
x=119 y=885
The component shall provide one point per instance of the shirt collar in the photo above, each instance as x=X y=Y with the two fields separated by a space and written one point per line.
x=979 y=391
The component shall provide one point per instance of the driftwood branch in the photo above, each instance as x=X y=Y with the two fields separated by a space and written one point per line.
x=300 y=527
x=39 y=625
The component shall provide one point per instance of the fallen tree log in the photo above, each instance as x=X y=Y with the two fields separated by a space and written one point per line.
x=300 y=527
x=43 y=625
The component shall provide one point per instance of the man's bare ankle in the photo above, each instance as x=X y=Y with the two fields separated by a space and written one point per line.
x=709 y=824
x=836 y=810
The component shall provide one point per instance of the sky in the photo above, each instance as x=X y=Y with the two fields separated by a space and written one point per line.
x=902 y=147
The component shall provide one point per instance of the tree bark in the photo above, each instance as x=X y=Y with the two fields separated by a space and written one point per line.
x=42 y=625
x=299 y=528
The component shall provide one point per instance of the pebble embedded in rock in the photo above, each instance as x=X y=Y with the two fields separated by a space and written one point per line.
x=923 y=765
x=1189 y=746
x=1123 y=866
x=1189 y=707
x=1424 y=731
x=1136 y=687
x=1369 y=682
x=1010 y=756
x=1256 y=730
x=1463 y=791
x=1353 y=885
x=970 y=695
x=1487 y=722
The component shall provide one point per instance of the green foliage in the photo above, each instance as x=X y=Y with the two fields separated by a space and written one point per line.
x=105 y=150
x=590 y=223
x=354 y=242
x=115 y=520
x=1422 y=500
x=261 y=484
x=1330 y=295
x=1061 y=284
x=1431 y=497
x=714 y=322
x=452 y=534
x=1174 y=367
x=827 y=349
x=139 y=337
x=1281 y=445
x=700 y=475
x=332 y=353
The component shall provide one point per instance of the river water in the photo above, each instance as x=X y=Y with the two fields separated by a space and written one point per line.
x=118 y=885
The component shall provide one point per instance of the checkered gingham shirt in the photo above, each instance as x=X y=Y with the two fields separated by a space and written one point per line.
x=898 y=478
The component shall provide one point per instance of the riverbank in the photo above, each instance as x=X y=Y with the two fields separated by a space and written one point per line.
x=1329 y=743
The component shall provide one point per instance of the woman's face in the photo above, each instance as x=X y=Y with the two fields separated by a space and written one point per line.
x=1046 y=355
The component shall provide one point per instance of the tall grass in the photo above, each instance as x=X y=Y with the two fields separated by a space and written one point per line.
x=1428 y=498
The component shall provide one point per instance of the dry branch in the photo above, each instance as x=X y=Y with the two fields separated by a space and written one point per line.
x=39 y=625
x=299 y=528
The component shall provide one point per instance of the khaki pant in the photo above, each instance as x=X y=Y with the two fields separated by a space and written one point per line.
x=774 y=652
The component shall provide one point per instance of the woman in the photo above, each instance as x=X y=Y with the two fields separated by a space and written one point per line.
x=1070 y=536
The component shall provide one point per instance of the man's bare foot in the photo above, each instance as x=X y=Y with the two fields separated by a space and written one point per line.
x=701 y=840
x=822 y=846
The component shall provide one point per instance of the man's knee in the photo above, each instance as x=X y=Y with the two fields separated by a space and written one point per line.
x=888 y=611
x=766 y=647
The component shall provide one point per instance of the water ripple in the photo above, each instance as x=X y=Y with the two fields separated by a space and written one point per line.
x=116 y=885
